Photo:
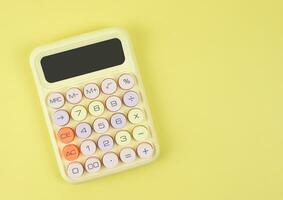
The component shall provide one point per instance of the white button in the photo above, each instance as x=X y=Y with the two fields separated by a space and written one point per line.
x=145 y=150
x=100 y=125
x=126 y=81
x=91 y=91
x=127 y=155
x=110 y=160
x=74 y=95
x=83 y=130
x=131 y=99
x=55 y=100
x=105 y=143
x=108 y=86
x=88 y=147
x=75 y=170
x=61 y=117
x=118 y=120
x=92 y=165
x=113 y=103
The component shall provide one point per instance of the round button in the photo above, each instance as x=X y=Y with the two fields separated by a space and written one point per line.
x=91 y=91
x=127 y=155
x=55 y=100
x=75 y=170
x=74 y=95
x=131 y=99
x=113 y=103
x=83 y=130
x=140 y=133
x=61 y=117
x=78 y=113
x=110 y=160
x=105 y=143
x=145 y=150
x=96 y=108
x=123 y=138
x=92 y=165
x=100 y=125
x=71 y=152
x=118 y=120
x=126 y=81
x=136 y=116
x=108 y=86
x=88 y=147
x=66 y=135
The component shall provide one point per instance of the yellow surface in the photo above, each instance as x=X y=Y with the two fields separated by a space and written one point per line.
x=213 y=75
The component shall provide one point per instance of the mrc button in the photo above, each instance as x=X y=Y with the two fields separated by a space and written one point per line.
x=55 y=100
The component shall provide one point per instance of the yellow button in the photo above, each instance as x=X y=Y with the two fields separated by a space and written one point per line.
x=123 y=137
x=136 y=116
x=140 y=133
x=78 y=113
x=96 y=108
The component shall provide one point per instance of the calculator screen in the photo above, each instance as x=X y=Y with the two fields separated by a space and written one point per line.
x=82 y=60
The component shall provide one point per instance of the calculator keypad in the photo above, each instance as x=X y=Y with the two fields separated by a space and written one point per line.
x=100 y=125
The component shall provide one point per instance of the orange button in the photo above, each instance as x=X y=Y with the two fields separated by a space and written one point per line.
x=71 y=152
x=66 y=135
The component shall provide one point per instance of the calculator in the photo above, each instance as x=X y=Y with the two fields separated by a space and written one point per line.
x=94 y=104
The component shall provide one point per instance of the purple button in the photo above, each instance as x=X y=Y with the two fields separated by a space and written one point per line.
x=61 y=117
x=131 y=99
x=118 y=120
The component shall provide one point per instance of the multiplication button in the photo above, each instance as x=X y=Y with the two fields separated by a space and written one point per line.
x=55 y=100
x=136 y=115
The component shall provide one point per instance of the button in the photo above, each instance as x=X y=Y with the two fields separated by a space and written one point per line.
x=135 y=116
x=88 y=147
x=108 y=86
x=74 y=95
x=96 y=108
x=140 y=133
x=126 y=81
x=127 y=155
x=78 y=113
x=55 y=100
x=118 y=120
x=100 y=125
x=110 y=160
x=145 y=150
x=75 y=170
x=123 y=138
x=66 y=135
x=105 y=143
x=71 y=152
x=131 y=99
x=61 y=117
x=113 y=103
x=92 y=165
x=91 y=91
x=83 y=130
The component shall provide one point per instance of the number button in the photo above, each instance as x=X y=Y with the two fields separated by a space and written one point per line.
x=136 y=116
x=61 y=117
x=140 y=133
x=83 y=130
x=96 y=108
x=123 y=138
x=110 y=160
x=75 y=170
x=118 y=120
x=74 y=95
x=127 y=155
x=88 y=147
x=100 y=125
x=55 y=100
x=78 y=113
x=126 y=81
x=108 y=86
x=71 y=152
x=145 y=150
x=66 y=135
x=91 y=91
x=113 y=103
x=131 y=99
x=105 y=143
x=92 y=165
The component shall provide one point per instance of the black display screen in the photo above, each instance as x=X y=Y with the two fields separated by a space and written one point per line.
x=82 y=60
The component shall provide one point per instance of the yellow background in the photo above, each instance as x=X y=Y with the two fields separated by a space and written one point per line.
x=213 y=75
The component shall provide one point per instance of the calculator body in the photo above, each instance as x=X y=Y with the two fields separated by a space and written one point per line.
x=94 y=105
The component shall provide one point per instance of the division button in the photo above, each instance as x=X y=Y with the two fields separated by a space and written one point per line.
x=100 y=125
x=110 y=160
x=145 y=150
x=83 y=130
x=126 y=81
x=92 y=165
x=105 y=143
x=131 y=99
x=66 y=135
x=55 y=100
x=108 y=86
x=71 y=152
x=88 y=147
x=61 y=117
x=74 y=95
x=75 y=170
x=118 y=120
x=91 y=91
x=127 y=155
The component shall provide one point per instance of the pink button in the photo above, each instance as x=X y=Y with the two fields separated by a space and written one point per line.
x=131 y=99
x=118 y=120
